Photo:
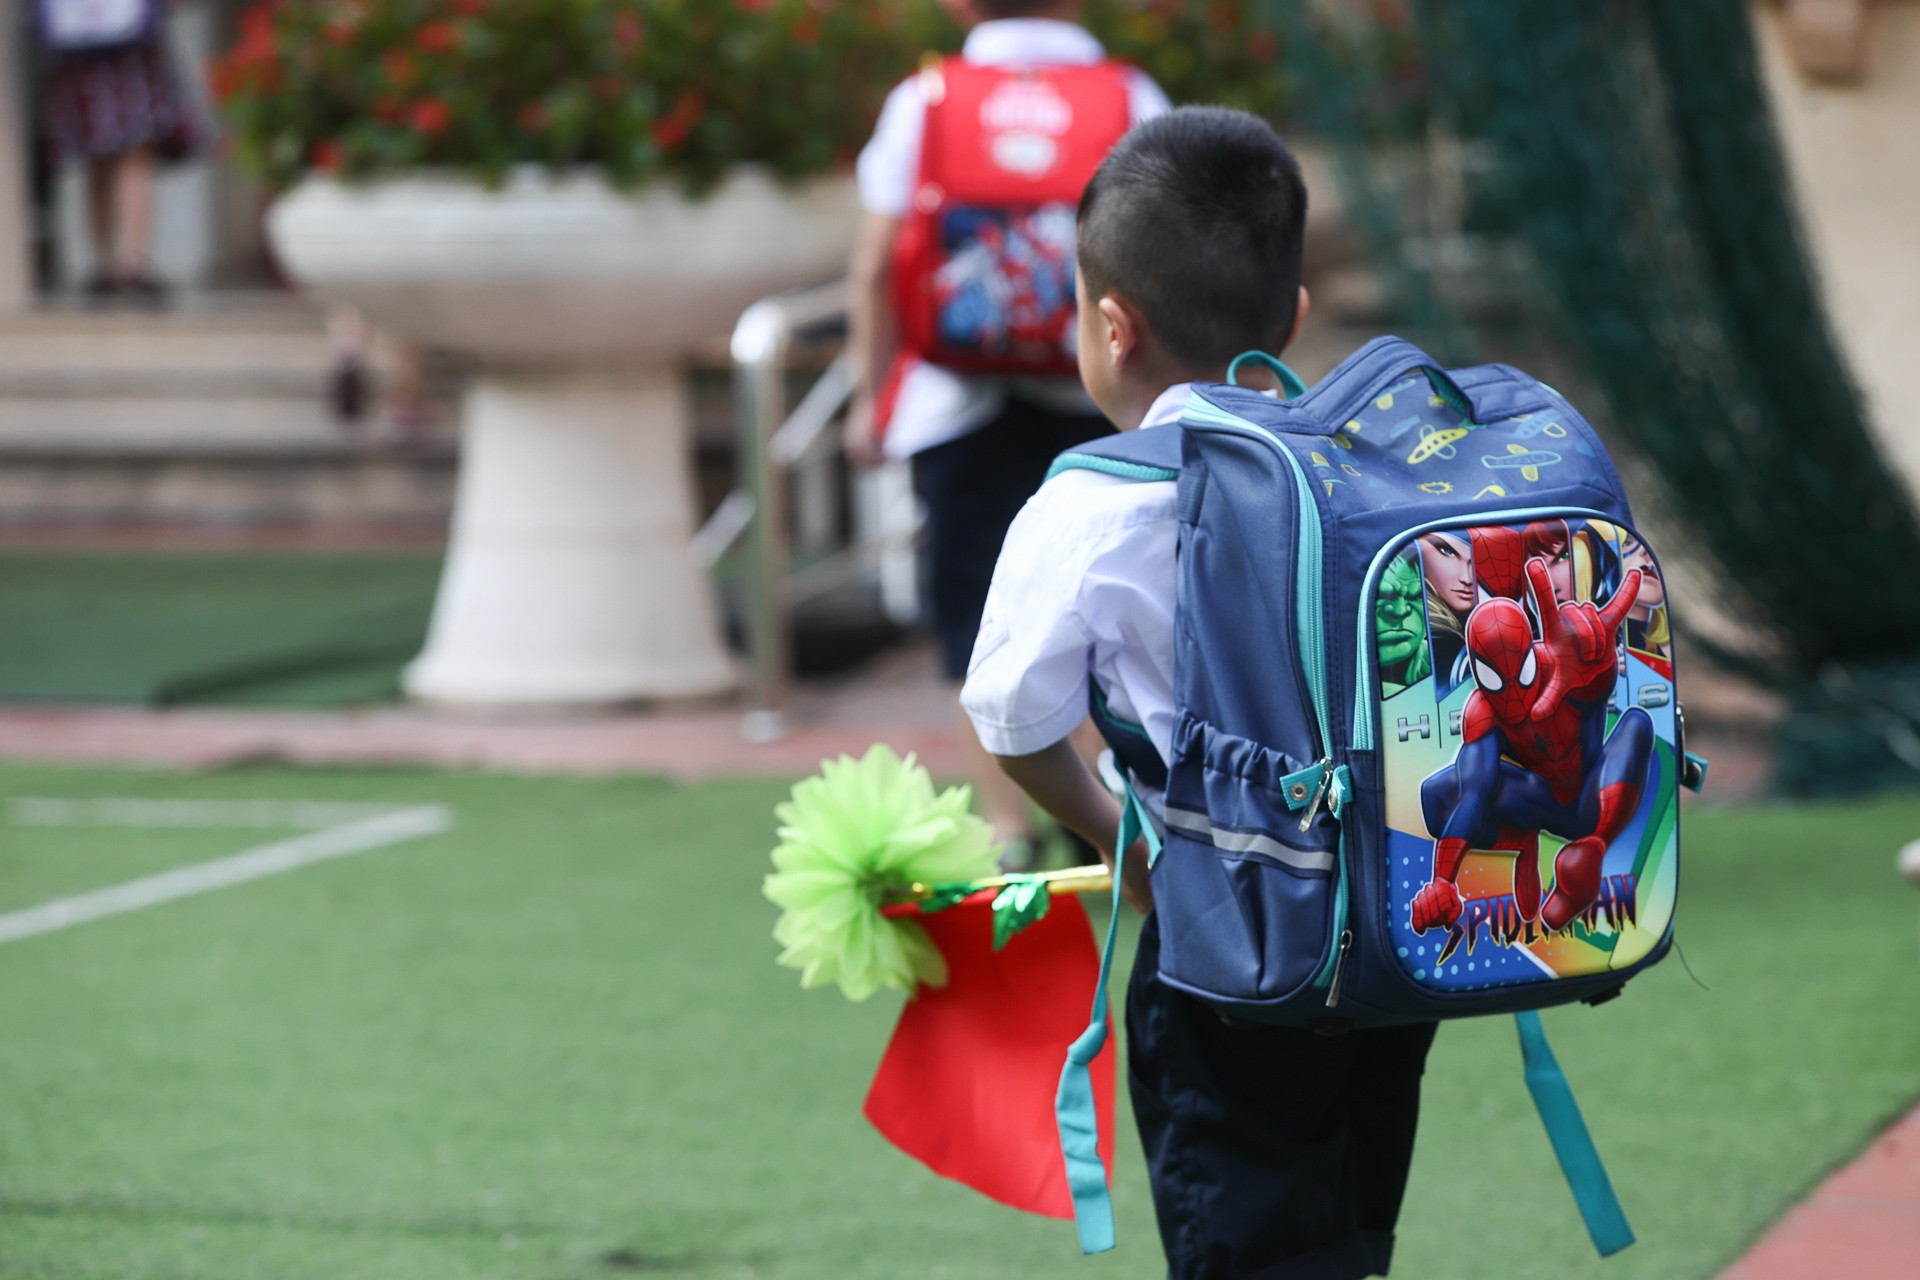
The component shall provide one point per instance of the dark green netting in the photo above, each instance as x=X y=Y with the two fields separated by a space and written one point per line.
x=1608 y=172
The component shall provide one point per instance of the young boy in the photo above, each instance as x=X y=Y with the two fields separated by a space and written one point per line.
x=1273 y=1152
x=980 y=445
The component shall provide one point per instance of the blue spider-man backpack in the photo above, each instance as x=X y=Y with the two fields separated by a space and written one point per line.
x=1426 y=741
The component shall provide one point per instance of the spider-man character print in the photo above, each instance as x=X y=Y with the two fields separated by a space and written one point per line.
x=1500 y=553
x=1535 y=754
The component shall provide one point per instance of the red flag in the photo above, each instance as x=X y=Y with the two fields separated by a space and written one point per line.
x=967 y=1083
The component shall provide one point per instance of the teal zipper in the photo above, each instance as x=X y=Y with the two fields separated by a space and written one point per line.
x=1361 y=738
x=1309 y=612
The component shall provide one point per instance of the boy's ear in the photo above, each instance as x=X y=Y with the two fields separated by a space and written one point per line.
x=1300 y=310
x=1121 y=328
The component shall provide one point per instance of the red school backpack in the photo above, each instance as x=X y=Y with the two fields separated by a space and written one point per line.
x=983 y=267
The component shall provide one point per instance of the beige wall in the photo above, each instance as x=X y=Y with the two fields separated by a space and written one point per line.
x=1855 y=154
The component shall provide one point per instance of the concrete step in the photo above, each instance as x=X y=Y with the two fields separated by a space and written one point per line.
x=246 y=373
x=211 y=413
x=343 y=488
x=186 y=420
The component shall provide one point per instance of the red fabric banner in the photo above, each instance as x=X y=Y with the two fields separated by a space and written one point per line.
x=967 y=1083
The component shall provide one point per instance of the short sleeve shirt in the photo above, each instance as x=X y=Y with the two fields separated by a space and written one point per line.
x=1084 y=590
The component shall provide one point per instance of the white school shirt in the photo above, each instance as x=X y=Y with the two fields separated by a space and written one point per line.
x=936 y=405
x=1084 y=589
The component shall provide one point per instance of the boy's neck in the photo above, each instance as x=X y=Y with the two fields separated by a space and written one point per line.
x=1137 y=393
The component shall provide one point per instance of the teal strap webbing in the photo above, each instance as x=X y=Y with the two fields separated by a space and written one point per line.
x=1572 y=1144
x=1079 y=1122
x=1135 y=822
x=1073 y=1107
x=1138 y=471
x=1290 y=382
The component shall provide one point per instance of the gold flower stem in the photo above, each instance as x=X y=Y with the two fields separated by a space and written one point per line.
x=1065 y=880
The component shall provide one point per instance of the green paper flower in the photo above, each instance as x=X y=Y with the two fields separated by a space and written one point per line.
x=861 y=829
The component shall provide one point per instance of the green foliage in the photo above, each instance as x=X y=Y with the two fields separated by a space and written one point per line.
x=860 y=832
x=1216 y=51
x=1624 y=157
x=637 y=87
x=1604 y=182
x=641 y=88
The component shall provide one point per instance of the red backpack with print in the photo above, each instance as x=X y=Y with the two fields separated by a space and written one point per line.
x=983 y=266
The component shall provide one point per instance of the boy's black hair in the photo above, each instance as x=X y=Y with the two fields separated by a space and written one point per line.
x=1196 y=218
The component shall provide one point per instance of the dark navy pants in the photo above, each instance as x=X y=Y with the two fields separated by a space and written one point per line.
x=1275 y=1153
x=973 y=487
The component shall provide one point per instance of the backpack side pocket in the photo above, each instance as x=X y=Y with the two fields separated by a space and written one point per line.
x=1244 y=895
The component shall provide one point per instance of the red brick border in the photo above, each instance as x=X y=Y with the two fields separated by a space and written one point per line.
x=1862 y=1224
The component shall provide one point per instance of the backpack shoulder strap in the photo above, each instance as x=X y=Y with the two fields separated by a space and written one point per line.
x=1141 y=457
x=1152 y=454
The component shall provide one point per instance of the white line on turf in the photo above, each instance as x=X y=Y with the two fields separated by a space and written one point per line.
x=272 y=859
x=141 y=811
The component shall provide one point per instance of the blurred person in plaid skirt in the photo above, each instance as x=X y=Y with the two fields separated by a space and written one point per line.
x=114 y=103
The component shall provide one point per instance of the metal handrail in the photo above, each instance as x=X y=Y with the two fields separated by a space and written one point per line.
x=772 y=443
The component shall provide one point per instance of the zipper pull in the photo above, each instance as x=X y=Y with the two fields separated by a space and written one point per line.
x=1319 y=792
x=1339 y=967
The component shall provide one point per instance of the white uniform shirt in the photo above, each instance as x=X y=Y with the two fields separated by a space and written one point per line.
x=1084 y=589
x=936 y=405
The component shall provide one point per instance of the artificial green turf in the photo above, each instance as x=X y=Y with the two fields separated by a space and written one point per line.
x=552 y=1043
x=185 y=627
x=41 y=863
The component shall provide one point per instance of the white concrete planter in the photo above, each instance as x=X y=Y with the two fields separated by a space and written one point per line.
x=568 y=577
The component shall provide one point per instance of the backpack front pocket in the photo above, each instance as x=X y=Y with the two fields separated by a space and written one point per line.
x=1522 y=676
x=1252 y=893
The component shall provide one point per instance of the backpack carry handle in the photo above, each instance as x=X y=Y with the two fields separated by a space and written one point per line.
x=1290 y=382
x=1485 y=393
x=1448 y=390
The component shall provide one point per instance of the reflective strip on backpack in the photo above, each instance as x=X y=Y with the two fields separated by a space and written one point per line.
x=1196 y=824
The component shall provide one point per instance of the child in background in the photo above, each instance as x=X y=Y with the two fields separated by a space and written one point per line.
x=980 y=442
x=115 y=103
x=1272 y=1151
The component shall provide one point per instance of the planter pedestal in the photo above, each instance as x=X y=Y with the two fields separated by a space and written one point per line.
x=569 y=577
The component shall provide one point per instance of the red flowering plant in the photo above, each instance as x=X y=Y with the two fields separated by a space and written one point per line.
x=642 y=88
x=637 y=87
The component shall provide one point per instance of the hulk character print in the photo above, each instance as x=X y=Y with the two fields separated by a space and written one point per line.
x=1400 y=627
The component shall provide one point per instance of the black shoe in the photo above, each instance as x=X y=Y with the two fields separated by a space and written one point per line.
x=100 y=289
x=347 y=391
x=144 y=291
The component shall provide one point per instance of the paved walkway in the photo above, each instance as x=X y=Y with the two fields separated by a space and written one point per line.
x=896 y=700
x=681 y=745
x=1862 y=1224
